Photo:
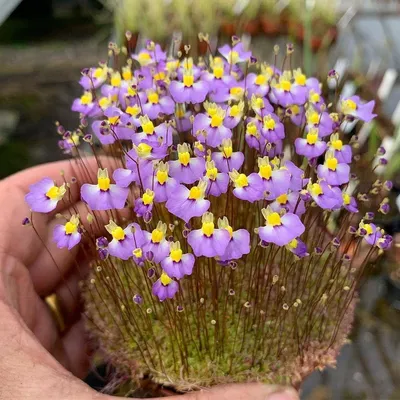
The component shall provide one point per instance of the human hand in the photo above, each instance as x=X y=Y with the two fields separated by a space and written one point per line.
x=37 y=360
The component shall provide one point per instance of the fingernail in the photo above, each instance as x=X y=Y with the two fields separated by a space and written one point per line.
x=287 y=394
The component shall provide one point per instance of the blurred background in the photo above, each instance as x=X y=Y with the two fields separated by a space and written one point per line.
x=44 y=45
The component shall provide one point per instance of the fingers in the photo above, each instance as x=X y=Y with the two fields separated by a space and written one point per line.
x=250 y=391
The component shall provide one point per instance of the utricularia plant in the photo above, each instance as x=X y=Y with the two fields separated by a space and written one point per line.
x=227 y=230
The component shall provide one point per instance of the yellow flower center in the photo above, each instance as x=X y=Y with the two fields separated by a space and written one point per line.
x=316 y=189
x=350 y=105
x=234 y=111
x=315 y=98
x=176 y=255
x=184 y=158
x=165 y=279
x=295 y=109
x=274 y=219
x=227 y=151
x=346 y=199
x=241 y=181
x=132 y=91
x=160 y=76
x=216 y=121
x=286 y=85
x=293 y=244
x=103 y=183
x=337 y=144
x=127 y=74
x=162 y=177
x=368 y=228
x=212 y=173
x=236 y=91
x=269 y=123
x=258 y=103
x=98 y=73
x=332 y=163
x=144 y=149
x=138 y=253
x=54 y=193
x=251 y=129
x=144 y=58
x=301 y=79
x=266 y=171
x=157 y=236
x=188 y=80
x=70 y=228
x=260 y=80
x=230 y=230
x=148 y=128
x=194 y=193
x=153 y=98
x=282 y=199
x=208 y=228
x=314 y=118
x=113 y=120
x=86 y=98
x=116 y=80
x=148 y=197
x=118 y=233
x=133 y=110
x=104 y=102
x=233 y=57
x=218 y=72
x=312 y=138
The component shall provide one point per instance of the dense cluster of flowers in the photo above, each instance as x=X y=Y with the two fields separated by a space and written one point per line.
x=232 y=171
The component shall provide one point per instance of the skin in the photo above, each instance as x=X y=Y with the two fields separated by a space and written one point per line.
x=36 y=359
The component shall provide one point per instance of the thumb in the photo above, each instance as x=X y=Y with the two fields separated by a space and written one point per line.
x=251 y=391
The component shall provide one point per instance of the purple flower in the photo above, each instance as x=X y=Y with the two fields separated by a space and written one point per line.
x=186 y=169
x=370 y=232
x=137 y=172
x=208 y=241
x=227 y=160
x=298 y=248
x=259 y=84
x=186 y=204
x=275 y=181
x=297 y=181
x=67 y=235
x=177 y=264
x=233 y=115
x=144 y=204
x=165 y=287
x=296 y=114
x=104 y=196
x=94 y=77
x=210 y=128
x=125 y=241
x=287 y=92
x=44 y=195
x=160 y=182
x=278 y=229
x=153 y=54
x=162 y=133
x=157 y=104
x=349 y=203
x=289 y=202
x=235 y=54
x=189 y=90
x=325 y=196
x=311 y=146
x=217 y=182
x=332 y=172
x=239 y=243
x=272 y=129
x=149 y=150
x=157 y=243
x=261 y=106
x=353 y=106
x=249 y=188
x=321 y=121
x=343 y=153
x=85 y=105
